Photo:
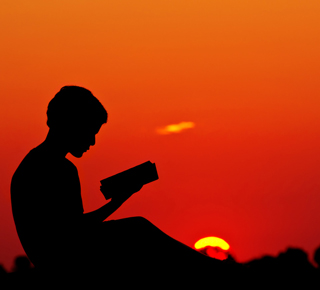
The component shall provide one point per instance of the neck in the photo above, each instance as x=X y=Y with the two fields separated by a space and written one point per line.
x=55 y=143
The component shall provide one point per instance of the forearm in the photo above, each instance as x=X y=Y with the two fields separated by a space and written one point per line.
x=105 y=211
x=102 y=213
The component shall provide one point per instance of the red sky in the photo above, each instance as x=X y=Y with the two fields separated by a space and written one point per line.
x=246 y=73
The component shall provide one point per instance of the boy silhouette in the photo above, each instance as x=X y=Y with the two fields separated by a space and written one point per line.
x=48 y=212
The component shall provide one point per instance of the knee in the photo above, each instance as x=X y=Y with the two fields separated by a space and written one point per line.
x=141 y=220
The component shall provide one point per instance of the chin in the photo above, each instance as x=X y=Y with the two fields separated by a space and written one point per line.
x=77 y=154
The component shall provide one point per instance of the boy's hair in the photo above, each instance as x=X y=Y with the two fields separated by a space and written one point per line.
x=73 y=105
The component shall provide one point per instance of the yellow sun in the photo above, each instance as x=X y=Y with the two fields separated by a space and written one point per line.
x=213 y=242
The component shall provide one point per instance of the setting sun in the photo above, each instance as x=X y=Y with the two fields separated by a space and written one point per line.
x=213 y=247
x=213 y=242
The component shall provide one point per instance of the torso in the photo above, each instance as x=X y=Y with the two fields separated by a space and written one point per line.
x=46 y=205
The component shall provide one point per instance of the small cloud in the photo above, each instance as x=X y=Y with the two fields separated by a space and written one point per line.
x=175 y=128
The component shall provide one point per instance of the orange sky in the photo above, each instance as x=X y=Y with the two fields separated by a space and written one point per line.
x=244 y=72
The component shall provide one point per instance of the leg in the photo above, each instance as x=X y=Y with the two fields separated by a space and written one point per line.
x=138 y=240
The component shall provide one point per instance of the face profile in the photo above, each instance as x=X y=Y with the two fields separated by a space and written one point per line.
x=82 y=138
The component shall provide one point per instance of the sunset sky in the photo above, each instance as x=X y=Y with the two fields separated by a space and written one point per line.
x=239 y=79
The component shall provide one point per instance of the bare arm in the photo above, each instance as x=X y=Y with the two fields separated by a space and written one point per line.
x=99 y=215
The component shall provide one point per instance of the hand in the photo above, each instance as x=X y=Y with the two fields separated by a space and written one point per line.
x=121 y=193
x=125 y=191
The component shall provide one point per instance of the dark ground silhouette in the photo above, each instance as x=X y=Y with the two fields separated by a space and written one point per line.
x=290 y=269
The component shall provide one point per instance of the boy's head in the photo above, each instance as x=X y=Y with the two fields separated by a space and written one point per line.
x=77 y=115
x=74 y=105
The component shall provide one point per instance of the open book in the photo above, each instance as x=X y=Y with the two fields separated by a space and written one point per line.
x=140 y=174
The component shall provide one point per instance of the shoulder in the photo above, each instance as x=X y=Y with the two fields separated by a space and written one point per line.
x=27 y=175
x=40 y=165
x=28 y=164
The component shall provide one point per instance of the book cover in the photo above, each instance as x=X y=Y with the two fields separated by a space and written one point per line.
x=141 y=174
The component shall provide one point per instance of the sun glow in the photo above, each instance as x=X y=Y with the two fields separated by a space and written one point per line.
x=212 y=242
x=175 y=128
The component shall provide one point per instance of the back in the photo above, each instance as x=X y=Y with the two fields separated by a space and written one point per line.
x=47 y=206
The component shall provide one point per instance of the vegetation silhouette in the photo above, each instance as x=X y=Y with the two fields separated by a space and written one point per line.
x=290 y=269
x=56 y=233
